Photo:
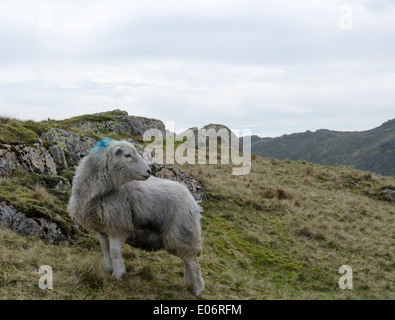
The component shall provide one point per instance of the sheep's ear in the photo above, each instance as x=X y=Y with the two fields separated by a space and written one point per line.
x=118 y=151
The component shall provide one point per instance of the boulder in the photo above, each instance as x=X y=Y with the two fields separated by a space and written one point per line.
x=176 y=174
x=222 y=133
x=67 y=148
x=139 y=125
x=122 y=124
x=8 y=160
x=59 y=156
x=24 y=226
x=391 y=193
x=36 y=159
x=163 y=171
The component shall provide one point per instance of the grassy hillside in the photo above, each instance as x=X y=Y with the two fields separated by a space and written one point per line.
x=371 y=150
x=281 y=232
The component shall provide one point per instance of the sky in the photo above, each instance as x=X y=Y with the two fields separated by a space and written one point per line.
x=274 y=67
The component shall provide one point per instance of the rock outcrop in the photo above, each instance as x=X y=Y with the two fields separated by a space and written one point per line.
x=36 y=159
x=175 y=174
x=67 y=148
x=122 y=124
x=391 y=193
x=223 y=134
x=8 y=160
x=22 y=225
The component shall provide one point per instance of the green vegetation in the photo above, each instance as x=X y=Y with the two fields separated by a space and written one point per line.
x=280 y=232
x=20 y=132
x=36 y=196
x=371 y=150
x=14 y=132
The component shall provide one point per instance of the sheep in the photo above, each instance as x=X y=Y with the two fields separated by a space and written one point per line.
x=114 y=194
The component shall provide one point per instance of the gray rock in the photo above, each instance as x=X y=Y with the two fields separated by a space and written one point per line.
x=76 y=146
x=59 y=156
x=122 y=124
x=222 y=133
x=7 y=215
x=8 y=161
x=176 y=174
x=194 y=131
x=67 y=148
x=391 y=193
x=63 y=185
x=139 y=125
x=36 y=159
x=24 y=226
x=163 y=171
x=115 y=127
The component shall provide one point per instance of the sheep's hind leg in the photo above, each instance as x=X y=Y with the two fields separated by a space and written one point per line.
x=188 y=281
x=105 y=246
x=116 y=243
x=192 y=267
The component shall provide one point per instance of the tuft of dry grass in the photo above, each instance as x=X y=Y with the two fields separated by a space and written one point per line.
x=41 y=193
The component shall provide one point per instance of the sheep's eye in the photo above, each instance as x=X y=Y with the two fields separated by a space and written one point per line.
x=128 y=155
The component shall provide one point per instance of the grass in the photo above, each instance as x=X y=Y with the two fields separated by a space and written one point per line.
x=36 y=196
x=15 y=132
x=280 y=232
x=370 y=150
x=302 y=222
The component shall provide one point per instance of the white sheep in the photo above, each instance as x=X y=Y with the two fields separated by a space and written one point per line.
x=114 y=194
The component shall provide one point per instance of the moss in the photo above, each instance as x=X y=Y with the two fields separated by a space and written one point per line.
x=229 y=240
x=68 y=174
x=14 y=133
x=88 y=117
x=19 y=192
x=37 y=127
x=380 y=195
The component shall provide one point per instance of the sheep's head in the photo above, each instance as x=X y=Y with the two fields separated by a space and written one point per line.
x=124 y=162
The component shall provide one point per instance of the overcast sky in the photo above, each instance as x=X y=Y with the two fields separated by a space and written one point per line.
x=273 y=67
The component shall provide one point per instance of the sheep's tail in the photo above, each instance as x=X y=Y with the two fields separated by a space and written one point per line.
x=146 y=240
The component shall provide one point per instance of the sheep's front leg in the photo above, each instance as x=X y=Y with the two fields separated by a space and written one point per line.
x=116 y=242
x=105 y=246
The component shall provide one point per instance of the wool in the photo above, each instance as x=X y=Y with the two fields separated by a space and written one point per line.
x=114 y=195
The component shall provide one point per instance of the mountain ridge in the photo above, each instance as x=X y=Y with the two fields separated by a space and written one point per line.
x=370 y=150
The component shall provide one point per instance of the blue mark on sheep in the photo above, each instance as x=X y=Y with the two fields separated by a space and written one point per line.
x=103 y=143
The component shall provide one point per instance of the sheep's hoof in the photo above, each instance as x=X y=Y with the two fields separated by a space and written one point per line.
x=198 y=290
x=187 y=283
x=199 y=293
x=109 y=269
x=118 y=275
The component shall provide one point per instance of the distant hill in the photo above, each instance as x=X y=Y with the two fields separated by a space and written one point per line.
x=372 y=150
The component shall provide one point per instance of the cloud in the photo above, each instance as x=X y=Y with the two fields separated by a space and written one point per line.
x=278 y=65
x=378 y=5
